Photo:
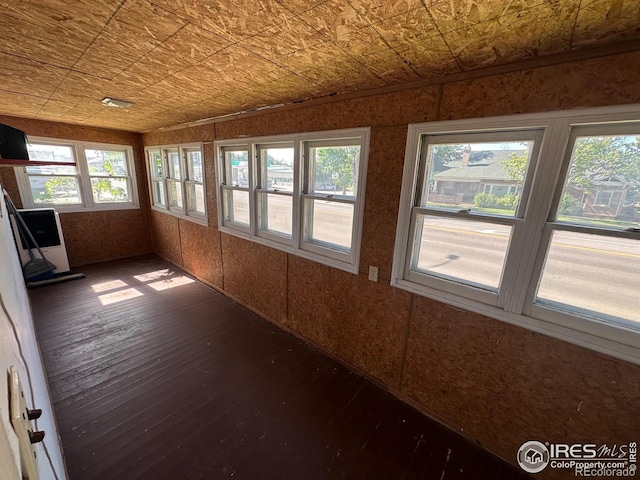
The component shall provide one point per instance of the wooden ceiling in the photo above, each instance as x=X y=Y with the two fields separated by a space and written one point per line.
x=185 y=60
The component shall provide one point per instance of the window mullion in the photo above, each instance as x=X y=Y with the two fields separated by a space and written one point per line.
x=24 y=187
x=164 y=158
x=82 y=169
x=253 y=200
x=297 y=203
x=529 y=241
x=184 y=174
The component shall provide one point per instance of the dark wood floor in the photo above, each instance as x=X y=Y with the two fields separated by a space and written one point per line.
x=171 y=380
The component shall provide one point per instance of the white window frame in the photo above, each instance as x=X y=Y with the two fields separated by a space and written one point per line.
x=264 y=190
x=184 y=181
x=84 y=177
x=608 y=203
x=514 y=303
x=296 y=244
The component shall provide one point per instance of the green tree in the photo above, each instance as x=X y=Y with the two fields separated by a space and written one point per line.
x=55 y=185
x=596 y=158
x=444 y=154
x=516 y=166
x=479 y=155
x=337 y=166
x=111 y=163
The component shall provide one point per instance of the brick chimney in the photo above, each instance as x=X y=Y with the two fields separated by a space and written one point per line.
x=466 y=153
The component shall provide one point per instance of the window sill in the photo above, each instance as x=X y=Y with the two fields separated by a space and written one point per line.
x=84 y=209
x=325 y=260
x=199 y=220
x=613 y=340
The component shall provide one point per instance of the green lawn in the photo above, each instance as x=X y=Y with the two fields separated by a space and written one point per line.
x=592 y=222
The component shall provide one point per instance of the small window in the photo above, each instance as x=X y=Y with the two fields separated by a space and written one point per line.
x=80 y=176
x=275 y=191
x=53 y=184
x=176 y=177
x=236 y=185
x=109 y=173
x=331 y=192
x=195 y=181
x=175 y=186
x=603 y=199
x=464 y=212
x=590 y=240
x=156 y=170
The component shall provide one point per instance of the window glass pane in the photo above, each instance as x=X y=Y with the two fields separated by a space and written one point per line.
x=194 y=160
x=158 y=193
x=50 y=153
x=196 y=197
x=602 y=187
x=334 y=170
x=276 y=168
x=236 y=206
x=155 y=164
x=173 y=161
x=236 y=168
x=175 y=194
x=592 y=274
x=52 y=170
x=329 y=223
x=106 y=162
x=275 y=213
x=110 y=190
x=464 y=250
x=486 y=177
x=55 y=190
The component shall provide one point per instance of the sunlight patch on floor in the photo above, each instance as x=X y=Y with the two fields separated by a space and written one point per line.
x=105 y=286
x=119 y=296
x=170 y=283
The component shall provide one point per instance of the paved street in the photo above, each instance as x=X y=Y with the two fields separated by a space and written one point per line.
x=591 y=272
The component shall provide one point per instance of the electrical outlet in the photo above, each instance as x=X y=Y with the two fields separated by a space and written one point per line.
x=373 y=273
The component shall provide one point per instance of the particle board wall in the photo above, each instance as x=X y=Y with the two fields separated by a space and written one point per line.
x=93 y=237
x=496 y=383
x=200 y=251
x=505 y=385
x=165 y=230
x=357 y=320
x=256 y=275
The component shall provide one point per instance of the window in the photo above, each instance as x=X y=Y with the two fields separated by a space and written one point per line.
x=592 y=262
x=80 y=176
x=109 y=175
x=603 y=199
x=275 y=191
x=300 y=193
x=531 y=219
x=176 y=180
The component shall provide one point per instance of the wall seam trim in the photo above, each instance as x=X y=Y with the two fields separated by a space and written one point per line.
x=439 y=100
x=403 y=356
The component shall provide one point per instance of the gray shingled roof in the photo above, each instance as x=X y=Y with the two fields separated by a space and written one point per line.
x=487 y=169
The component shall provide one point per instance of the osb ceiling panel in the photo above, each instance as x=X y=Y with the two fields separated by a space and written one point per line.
x=185 y=60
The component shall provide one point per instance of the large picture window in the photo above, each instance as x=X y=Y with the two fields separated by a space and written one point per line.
x=176 y=180
x=532 y=219
x=79 y=176
x=300 y=193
